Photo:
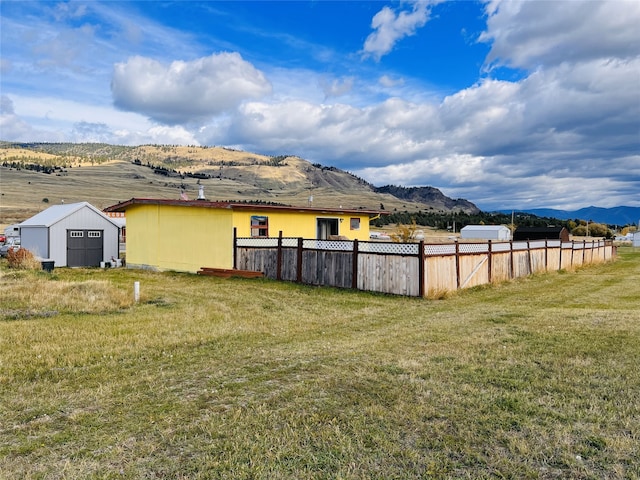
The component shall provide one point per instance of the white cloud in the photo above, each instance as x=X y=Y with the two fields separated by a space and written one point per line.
x=14 y=128
x=388 y=82
x=526 y=34
x=337 y=87
x=184 y=92
x=390 y=27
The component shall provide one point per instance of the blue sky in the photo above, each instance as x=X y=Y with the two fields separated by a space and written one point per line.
x=509 y=104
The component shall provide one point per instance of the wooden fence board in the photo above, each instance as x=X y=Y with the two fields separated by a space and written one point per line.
x=402 y=271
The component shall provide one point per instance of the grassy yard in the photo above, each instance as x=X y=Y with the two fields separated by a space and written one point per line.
x=211 y=378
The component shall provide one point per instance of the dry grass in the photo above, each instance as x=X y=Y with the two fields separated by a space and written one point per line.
x=25 y=295
x=212 y=378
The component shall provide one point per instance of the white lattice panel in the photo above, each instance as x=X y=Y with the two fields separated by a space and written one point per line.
x=500 y=247
x=289 y=242
x=520 y=245
x=444 y=249
x=257 y=242
x=389 y=248
x=473 y=248
x=334 y=245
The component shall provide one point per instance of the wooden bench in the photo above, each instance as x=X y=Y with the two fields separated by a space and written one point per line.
x=228 y=273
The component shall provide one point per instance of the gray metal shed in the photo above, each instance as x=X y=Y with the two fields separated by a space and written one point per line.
x=73 y=235
x=486 y=232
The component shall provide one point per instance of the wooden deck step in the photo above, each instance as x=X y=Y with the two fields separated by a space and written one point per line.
x=228 y=273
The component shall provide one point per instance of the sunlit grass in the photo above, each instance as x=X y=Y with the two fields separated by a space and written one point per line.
x=210 y=378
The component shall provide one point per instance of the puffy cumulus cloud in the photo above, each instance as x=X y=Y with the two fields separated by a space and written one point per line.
x=561 y=126
x=390 y=27
x=159 y=134
x=526 y=34
x=184 y=92
x=392 y=130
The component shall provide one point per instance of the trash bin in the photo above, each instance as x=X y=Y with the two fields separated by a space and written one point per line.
x=47 y=265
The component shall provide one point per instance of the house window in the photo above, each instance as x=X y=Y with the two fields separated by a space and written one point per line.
x=259 y=226
x=354 y=224
x=77 y=234
x=94 y=234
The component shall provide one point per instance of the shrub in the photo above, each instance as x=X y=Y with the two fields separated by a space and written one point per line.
x=22 y=259
x=405 y=233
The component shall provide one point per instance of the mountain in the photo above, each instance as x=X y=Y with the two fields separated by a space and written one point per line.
x=430 y=196
x=609 y=216
x=35 y=175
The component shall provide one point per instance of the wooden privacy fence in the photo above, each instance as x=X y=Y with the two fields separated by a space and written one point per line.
x=412 y=269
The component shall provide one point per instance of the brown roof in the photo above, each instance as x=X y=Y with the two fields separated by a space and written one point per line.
x=122 y=206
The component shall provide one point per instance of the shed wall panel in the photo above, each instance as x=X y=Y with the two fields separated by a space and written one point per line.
x=36 y=240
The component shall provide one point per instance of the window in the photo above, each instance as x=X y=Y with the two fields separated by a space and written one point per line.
x=95 y=234
x=77 y=234
x=259 y=226
x=355 y=224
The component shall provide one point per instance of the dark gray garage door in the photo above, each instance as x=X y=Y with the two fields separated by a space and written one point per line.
x=84 y=248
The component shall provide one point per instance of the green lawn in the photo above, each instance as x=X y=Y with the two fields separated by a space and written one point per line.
x=211 y=378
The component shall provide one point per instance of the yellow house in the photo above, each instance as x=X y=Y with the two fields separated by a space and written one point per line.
x=185 y=235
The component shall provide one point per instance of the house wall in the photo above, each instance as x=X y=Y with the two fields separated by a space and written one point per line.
x=300 y=224
x=83 y=219
x=187 y=238
x=166 y=237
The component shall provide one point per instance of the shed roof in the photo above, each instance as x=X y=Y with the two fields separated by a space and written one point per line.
x=122 y=206
x=55 y=213
x=485 y=228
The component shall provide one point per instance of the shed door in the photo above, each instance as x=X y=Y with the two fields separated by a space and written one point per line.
x=84 y=248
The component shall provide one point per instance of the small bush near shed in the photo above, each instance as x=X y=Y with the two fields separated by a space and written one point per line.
x=22 y=259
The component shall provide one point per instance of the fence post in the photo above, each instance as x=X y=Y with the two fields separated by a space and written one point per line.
x=235 y=248
x=489 y=262
x=513 y=270
x=573 y=244
x=299 y=261
x=560 y=261
x=279 y=257
x=354 y=266
x=457 y=265
x=529 y=257
x=546 y=254
x=421 y=258
x=584 y=251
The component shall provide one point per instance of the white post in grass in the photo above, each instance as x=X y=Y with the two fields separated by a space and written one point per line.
x=136 y=291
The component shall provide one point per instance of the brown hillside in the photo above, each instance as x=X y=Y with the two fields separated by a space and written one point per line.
x=106 y=174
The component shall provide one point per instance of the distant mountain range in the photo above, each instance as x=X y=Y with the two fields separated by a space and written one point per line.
x=610 y=216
